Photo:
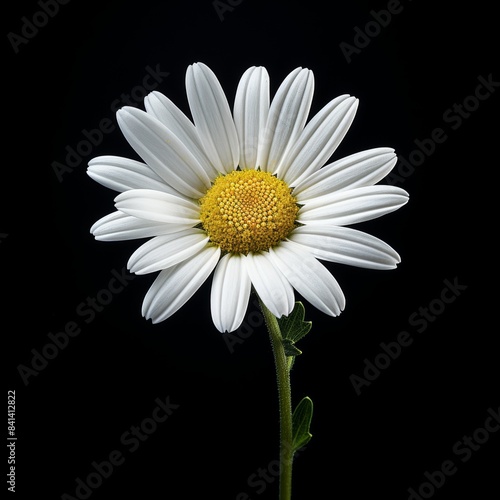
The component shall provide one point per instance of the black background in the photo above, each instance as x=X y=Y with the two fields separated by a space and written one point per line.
x=375 y=444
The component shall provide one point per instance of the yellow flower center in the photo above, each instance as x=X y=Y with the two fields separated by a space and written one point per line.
x=248 y=211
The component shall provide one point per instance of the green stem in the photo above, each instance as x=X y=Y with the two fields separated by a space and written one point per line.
x=285 y=403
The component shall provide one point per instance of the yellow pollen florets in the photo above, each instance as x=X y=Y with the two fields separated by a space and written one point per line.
x=248 y=211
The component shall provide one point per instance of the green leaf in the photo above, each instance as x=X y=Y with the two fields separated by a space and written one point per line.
x=293 y=327
x=290 y=349
x=301 y=421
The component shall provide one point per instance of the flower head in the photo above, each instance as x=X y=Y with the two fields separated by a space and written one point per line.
x=245 y=195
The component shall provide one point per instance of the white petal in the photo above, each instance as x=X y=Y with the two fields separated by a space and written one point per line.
x=353 y=205
x=309 y=277
x=162 y=108
x=319 y=139
x=346 y=246
x=163 y=152
x=122 y=174
x=176 y=285
x=231 y=288
x=251 y=108
x=118 y=226
x=158 y=206
x=270 y=284
x=212 y=117
x=166 y=251
x=357 y=170
x=287 y=117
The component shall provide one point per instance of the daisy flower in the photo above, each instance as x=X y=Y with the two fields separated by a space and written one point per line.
x=245 y=195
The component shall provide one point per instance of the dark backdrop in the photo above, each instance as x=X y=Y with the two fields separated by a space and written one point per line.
x=428 y=87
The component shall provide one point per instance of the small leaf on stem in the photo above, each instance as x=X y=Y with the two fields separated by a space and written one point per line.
x=289 y=348
x=301 y=421
x=293 y=327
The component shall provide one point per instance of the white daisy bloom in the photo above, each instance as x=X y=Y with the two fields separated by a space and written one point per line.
x=246 y=195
